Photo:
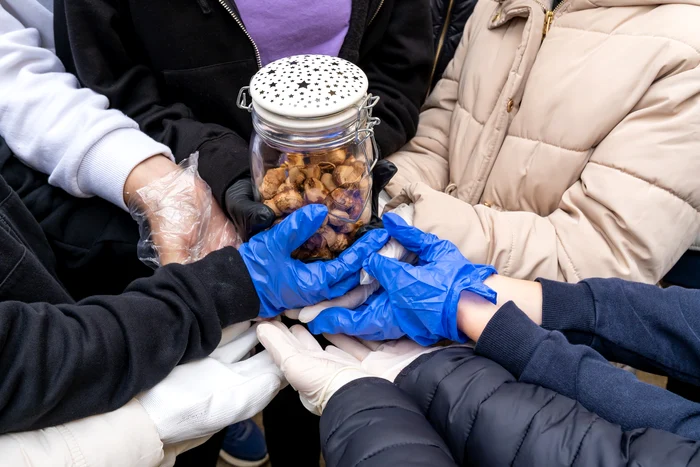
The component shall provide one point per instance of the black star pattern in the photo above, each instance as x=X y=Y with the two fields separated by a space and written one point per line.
x=332 y=93
x=272 y=85
x=303 y=84
x=294 y=63
x=271 y=72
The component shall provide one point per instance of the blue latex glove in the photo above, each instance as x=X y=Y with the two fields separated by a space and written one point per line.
x=417 y=301
x=284 y=283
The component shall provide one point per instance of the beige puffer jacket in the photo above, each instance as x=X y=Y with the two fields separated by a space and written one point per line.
x=565 y=156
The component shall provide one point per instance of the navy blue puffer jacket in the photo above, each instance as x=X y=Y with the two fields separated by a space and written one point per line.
x=453 y=407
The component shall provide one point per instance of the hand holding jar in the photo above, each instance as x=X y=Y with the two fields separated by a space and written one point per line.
x=314 y=144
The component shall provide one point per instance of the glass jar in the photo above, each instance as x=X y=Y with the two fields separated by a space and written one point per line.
x=313 y=143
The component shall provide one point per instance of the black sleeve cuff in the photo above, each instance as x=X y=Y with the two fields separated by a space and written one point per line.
x=224 y=275
x=510 y=339
x=567 y=307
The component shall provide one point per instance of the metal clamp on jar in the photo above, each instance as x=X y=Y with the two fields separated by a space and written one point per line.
x=313 y=143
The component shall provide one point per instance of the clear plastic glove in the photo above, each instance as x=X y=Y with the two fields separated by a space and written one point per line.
x=201 y=398
x=285 y=283
x=316 y=374
x=417 y=301
x=381 y=359
x=179 y=220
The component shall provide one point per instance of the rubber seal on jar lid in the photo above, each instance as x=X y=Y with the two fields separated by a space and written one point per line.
x=308 y=86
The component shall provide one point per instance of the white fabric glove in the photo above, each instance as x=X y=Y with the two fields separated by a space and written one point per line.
x=381 y=359
x=316 y=374
x=203 y=397
x=368 y=285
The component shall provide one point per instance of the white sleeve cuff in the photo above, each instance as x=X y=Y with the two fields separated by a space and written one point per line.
x=107 y=164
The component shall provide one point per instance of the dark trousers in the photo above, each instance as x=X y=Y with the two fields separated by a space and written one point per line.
x=685 y=390
x=205 y=455
x=291 y=431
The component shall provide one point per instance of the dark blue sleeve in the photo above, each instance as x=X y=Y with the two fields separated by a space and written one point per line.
x=546 y=358
x=647 y=327
x=371 y=422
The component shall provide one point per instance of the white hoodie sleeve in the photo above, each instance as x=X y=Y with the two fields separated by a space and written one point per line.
x=59 y=129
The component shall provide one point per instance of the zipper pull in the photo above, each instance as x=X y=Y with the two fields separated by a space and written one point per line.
x=548 y=18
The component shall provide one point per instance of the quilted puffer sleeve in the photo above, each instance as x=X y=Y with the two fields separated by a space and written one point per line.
x=370 y=422
x=487 y=418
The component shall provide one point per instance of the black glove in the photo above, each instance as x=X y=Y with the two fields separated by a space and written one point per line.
x=248 y=216
x=382 y=174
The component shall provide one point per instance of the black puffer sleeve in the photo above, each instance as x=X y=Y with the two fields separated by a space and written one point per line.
x=487 y=418
x=370 y=422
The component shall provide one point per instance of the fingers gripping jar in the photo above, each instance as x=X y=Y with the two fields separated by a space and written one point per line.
x=313 y=143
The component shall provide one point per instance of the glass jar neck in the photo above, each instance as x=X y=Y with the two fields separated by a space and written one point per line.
x=287 y=139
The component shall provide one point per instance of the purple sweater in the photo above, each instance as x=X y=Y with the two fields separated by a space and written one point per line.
x=281 y=28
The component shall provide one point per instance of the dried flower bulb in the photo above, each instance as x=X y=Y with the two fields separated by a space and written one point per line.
x=341 y=243
x=315 y=191
x=345 y=175
x=302 y=254
x=328 y=235
x=358 y=205
x=337 y=156
x=286 y=186
x=271 y=204
x=338 y=218
x=295 y=160
x=327 y=180
x=296 y=176
x=312 y=171
x=323 y=253
x=315 y=242
x=288 y=201
x=344 y=199
x=326 y=167
x=271 y=182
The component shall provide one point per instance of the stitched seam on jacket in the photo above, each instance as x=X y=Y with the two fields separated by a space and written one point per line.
x=478 y=411
x=374 y=407
x=583 y=439
x=73 y=446
x=506 y=269
x=529 y=425
x=548 y=144
x=627 y=34
x=568 y=256
x=14 y=268
x=667 y=190
x=437 y=385
x=397 y=445
x=695 y=454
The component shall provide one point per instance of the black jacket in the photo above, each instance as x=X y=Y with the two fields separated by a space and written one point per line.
x=62 y=360
x=176 y=66
x=449 y=19
x=485 y=417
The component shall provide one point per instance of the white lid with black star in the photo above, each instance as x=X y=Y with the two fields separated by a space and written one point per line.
x=308 y=87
